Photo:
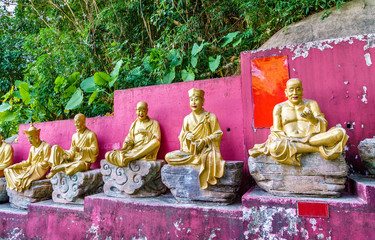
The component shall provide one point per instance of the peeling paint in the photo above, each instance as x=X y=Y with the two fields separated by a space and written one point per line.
x=140 y=237
x=364 y=99
x=177 y=225
x=347 y=82
x=370 y=43
x=303 y=49
x=213 y=234
x=368 y=59
x=94 y=229
x=313 y=223
x=16 y=234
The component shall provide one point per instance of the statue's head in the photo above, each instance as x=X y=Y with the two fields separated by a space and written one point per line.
x=80 y=122
x=32 y=135
x=196 y=97
x=294 y=91
x=142 y=110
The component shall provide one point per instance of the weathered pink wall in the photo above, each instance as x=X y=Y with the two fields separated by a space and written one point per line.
x=339 y=74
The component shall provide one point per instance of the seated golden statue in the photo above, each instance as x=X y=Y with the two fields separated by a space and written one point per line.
x=142 y=142
x=20 y=176
x=300 y=127
x=200 y=139
x=6 y=155
x=82 y=153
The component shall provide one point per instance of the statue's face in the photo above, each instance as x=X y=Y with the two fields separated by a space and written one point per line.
x=294 y=91
x=79 y=122
x=33 y=140
x=196 y=103
x=141 y=111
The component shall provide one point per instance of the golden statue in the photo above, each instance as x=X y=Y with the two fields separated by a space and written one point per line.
x=200 y=139
x=142 y=142
x=20 y=176
x=83 y=151
x=300 y=127
x=6 y=155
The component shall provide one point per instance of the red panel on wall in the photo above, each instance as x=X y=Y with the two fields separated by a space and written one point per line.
x=269 y=76
x=310 y=209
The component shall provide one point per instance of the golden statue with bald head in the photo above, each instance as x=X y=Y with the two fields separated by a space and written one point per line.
x=82 y=153
x=300 y=127
x=20 y=176
x=142 y=141
x=200 y=140
x=6 y=155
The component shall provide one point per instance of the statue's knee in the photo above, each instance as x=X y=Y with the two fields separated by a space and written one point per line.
x=107 y=155
x=273 y=148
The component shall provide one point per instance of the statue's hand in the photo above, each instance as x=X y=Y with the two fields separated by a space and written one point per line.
x=190 y=137
x=308 y=114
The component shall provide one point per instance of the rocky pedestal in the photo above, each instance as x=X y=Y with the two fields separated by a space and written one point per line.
x=138 y=179
x=39 y=191
x=3 y=191
x=367 y=153
x=183 y=181
x=73 y=189
x=316 y=177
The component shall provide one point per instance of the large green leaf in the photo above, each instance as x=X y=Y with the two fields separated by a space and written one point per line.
x=214 y=63
x=116 y=70
x=7 y=116
x=187 y=75
x=24 y=91
x=93 y=96
x=229 y=38
x=194 y=61
x=74 y=77
x=168 y=78
x=17 y=83
x=5 y=106
x=69 y=91
x=75 y=101
x=88 y=85
x=101 y=78
x=196 y=49
x=58 y=82
x=175 y=57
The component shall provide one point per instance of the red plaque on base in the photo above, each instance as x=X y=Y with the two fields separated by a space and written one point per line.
x=312 y=209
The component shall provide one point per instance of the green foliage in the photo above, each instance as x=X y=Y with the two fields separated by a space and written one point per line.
x=58 y=58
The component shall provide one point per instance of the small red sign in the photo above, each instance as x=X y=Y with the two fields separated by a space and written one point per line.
x=313 y=209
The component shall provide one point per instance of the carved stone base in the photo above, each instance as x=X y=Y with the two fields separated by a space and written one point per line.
x=39 y=191
x=73 y=189
x=316 y=177
x=3 y=191
x=367 y=153
x=183 y=182
x=138 y=179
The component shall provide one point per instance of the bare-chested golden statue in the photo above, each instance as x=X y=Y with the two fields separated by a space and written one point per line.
x=300 y=127
x=200 y=140
x=82 y=153
x=142 y=141
x=20 y=176
x=6 y=155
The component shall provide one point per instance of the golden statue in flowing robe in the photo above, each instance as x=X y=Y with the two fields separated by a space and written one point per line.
x=300 y=127
x=200 y=140
x=20 y=176
x=6 y=155
x=142 y=142
x=82 y=153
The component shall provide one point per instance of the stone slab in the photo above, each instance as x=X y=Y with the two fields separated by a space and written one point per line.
x=3 y=191
x=183 y=181
x=73 y=189
x=39 y=191
x=366 y=149
x=316 y=177
x=138 y=179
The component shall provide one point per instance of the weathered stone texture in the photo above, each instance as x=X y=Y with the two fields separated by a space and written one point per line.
x=316 y=177
x=367 y=153
x=183 y=181
x=73 y=189
x=39 y=191
x=3 y=191
x=138 y=179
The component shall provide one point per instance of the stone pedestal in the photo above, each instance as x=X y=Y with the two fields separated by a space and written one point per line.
x=316 y=177
x=138 y=179
x=73 y=189
x=3 y=191
x=183 y=181
x=367 y=153
x=39 y=191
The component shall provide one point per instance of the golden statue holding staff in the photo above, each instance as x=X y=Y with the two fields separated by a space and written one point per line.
x=300 y=127
x=20 y=176
x=142 y=142
x=6 y=155
x=82 y=153
x=200 y=139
